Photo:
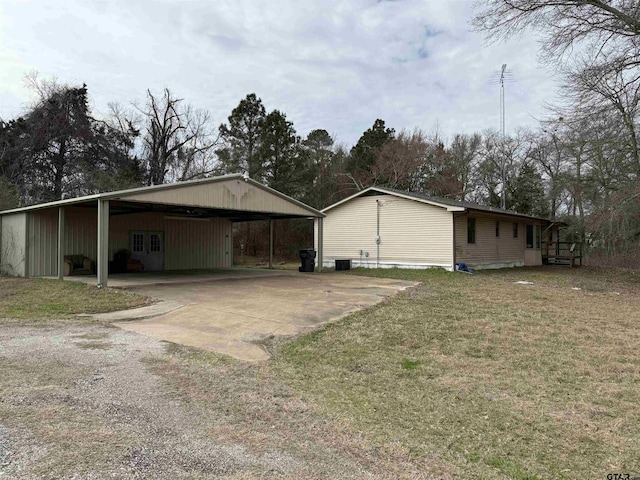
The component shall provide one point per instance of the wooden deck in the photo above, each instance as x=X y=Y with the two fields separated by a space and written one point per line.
x=562 y=253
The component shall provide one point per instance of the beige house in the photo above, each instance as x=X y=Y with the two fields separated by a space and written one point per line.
x=179 y=226
x=381 y=228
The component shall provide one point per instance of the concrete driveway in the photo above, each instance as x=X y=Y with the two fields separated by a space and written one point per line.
x=232 y=314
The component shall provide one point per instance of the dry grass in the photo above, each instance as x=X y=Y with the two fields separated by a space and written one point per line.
x=42 y=299
x=490 y=378
x=245 y=403
x=626 y=260
x=464 y=376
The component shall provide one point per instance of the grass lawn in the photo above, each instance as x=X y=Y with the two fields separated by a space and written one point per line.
x=476 y=376
x=41 y=299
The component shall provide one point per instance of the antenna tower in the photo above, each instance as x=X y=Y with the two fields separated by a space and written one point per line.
x=502 y=112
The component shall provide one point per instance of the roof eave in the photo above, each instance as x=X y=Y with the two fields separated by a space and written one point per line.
x=123 y=194
x=508 y=214
x=166 y=186
x=449 y=208
x=117 y=194
x=421 y=200
x=344 y=200
x=56 y=203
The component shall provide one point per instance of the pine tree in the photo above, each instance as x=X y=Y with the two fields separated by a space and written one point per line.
x=526 y=192
x=363 y=154
x=280 y=154
x=242 y=138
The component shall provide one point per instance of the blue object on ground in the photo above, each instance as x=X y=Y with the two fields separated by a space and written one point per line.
x=463 y=267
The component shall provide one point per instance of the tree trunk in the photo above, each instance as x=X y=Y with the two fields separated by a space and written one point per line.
x=59 y=170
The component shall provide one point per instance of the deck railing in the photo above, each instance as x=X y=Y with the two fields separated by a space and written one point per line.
x=562 y=253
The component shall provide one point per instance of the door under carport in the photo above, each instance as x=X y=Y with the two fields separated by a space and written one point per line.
x=148 y=248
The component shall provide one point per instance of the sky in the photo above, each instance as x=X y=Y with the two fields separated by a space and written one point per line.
x=336 y=65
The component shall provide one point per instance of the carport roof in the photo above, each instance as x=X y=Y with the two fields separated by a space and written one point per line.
x=163 y=195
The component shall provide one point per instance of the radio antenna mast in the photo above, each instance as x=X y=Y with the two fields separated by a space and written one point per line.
x=502 y=118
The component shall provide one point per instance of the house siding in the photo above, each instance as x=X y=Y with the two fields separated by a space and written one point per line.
x=412 y=234
x=490 y=251
x=532 y=257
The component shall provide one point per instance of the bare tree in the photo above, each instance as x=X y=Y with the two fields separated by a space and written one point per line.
x=500 y=158
x=398 y=161
x=179 y=141
x=548 y=152
x=465 y=149
x=609 y=27
x=612 y=94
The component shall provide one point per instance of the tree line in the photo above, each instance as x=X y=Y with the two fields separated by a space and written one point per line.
x=588 y=147
x=60 y=149
x=581 y=164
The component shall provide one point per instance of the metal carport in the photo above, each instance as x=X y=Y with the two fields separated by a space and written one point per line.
x=35 y=239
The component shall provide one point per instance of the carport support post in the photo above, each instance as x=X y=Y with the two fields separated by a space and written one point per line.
x=320 y=261
x=60 y=243
x=270 y=243
x=103 y=243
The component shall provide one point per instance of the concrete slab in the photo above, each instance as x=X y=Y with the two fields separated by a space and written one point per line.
x=159 y=308
x=234 y=315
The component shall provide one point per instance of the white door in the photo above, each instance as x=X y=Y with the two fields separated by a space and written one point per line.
x=148 y=247
x=155 y=252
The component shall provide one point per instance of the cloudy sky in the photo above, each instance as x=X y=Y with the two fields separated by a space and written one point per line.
x=333 y=64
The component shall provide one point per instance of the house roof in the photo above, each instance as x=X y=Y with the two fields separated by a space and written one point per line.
x=123 y=194
x=449 y=204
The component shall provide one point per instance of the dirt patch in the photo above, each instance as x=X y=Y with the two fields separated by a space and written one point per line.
x=93 y=336
x=5 y=448
x=94 y=345
x=145 y=409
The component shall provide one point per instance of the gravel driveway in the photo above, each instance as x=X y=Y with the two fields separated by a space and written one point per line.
x=85 y=401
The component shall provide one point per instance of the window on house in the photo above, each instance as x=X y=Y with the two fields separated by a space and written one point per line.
x=515 y=230
x=471 y=230
x=497 y=229
x=538 y=235
x=529 y=236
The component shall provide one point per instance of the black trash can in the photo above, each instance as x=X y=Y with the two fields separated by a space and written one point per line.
x=307 y=258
